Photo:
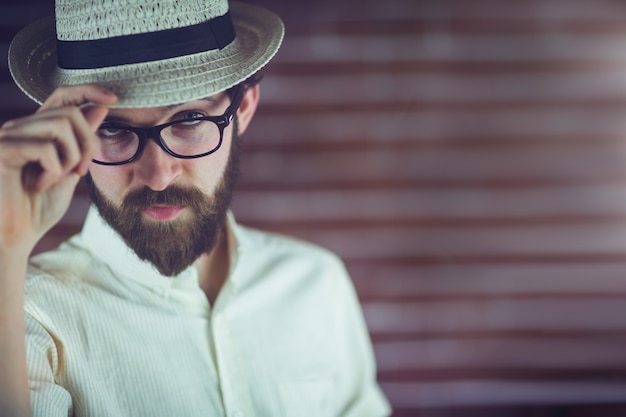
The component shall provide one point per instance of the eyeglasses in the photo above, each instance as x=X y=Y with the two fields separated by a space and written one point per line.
x=186 y=138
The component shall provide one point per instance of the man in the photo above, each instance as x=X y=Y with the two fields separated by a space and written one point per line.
x=163 y=305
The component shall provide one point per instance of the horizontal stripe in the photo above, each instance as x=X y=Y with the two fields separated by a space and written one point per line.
x=539 y=163
x=502 y=353
x=378 y=282
x=495 y=315
x=447 y=243
x=559 y=88
x=386 y=126
x=494 y=392
x=438 y=205
x=444 y=46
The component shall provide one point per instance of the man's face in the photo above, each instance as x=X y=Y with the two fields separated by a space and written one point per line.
x=170 y=211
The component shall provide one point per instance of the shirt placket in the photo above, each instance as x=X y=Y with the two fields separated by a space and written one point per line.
x=230 y=364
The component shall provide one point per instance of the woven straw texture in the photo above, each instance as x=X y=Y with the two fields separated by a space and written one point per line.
x=32 y=54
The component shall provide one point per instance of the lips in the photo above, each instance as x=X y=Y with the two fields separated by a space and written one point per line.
x=163 y=213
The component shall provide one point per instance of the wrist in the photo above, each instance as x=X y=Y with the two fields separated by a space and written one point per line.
x=13 y=263
x=15 y=245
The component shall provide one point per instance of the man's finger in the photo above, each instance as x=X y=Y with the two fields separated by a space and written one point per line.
x=94 y=115
x=77 y=95
x=43 y=167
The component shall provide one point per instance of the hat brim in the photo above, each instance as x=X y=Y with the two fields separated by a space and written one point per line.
x=259 y=33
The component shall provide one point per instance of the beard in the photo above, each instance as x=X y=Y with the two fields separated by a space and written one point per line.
x=172 y=246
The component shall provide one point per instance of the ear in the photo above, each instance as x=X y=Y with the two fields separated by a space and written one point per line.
x=247 y=108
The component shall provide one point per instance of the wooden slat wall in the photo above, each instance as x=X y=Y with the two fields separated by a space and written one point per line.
x=467 y=159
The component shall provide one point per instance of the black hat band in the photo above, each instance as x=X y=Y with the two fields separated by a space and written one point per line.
x=216 y=33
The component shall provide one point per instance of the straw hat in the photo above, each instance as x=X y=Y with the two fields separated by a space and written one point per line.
x=150 y=53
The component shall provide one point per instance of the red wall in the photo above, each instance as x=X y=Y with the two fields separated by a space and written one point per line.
x=467 y=160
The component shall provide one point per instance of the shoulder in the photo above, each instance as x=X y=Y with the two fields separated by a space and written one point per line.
x=56 y=274
x=63 y=264
x=277 y=259
x=277 y=246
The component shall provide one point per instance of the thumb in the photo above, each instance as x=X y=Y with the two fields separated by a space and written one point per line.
x=94 y=115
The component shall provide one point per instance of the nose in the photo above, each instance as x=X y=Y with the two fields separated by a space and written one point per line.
x=155 y=168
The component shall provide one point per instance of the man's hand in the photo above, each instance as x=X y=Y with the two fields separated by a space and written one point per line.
x=42 y=157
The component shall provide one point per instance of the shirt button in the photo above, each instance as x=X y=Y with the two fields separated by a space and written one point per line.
x=159 y=290
x=237 y=413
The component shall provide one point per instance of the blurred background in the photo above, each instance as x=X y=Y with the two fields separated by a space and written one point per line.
x=467 y=160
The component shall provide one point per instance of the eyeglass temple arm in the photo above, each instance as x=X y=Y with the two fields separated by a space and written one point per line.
x=238 y=95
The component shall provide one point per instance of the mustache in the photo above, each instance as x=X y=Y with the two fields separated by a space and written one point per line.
x=174 y=195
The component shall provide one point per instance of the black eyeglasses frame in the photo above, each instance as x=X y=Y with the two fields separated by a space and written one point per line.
x=154 y=132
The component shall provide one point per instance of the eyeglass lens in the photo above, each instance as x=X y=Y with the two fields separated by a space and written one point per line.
x=185 y=138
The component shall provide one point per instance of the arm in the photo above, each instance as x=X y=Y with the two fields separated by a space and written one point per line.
x=14 y=399
x=42 y=157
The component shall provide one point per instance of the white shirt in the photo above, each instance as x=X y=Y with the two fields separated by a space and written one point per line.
x=108 y=336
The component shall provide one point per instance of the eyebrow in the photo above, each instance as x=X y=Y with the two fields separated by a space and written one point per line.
x=164 y=110
x=211 y=99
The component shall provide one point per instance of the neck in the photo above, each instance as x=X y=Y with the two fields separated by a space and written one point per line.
x=213 y=268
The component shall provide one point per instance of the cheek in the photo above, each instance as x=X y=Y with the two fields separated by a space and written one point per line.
x=112 y=181
x=206 y=173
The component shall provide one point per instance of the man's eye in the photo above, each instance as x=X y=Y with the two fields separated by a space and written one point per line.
x=190 y=117
x=109 y=131
x=112 y=132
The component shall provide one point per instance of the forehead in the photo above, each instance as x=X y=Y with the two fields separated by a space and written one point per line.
x=147 y=114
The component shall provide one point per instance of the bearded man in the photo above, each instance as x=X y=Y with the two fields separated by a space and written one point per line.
x=163 y=305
